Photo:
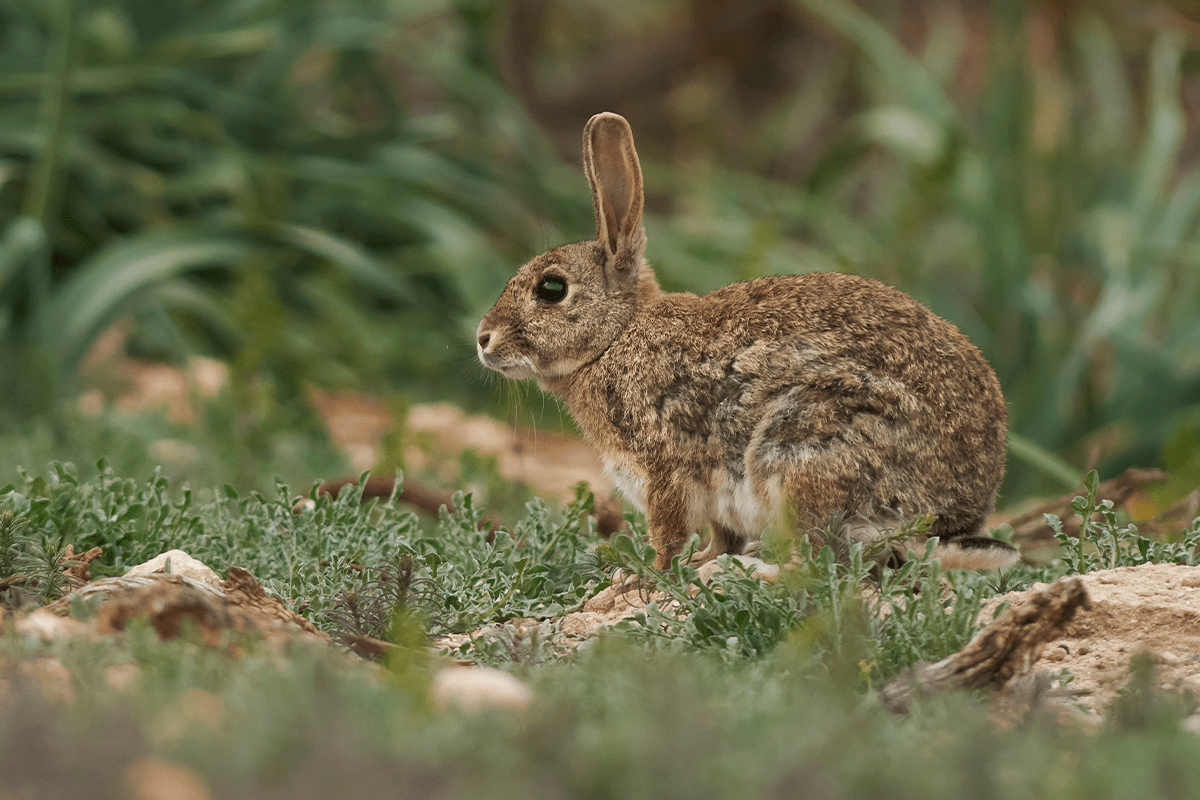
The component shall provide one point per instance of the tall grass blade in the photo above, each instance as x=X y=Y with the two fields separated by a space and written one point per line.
x=102 y=287
x=43 y=200
x=23 y=240
x=906 y=76
x=1042 y=460
x=352 y=259
x=1165 y=129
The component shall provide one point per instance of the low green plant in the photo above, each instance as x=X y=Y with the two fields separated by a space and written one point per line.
x=518 y=648
x=838 y=603
x=1141 y=705
x=10 y=543
x=925 y=613
x=387 y=593
x=618 y=721
x=342 y=563
x=1104 y=542
x=736 y=616
x=44 y=568
x=353 y=568
x=28 y=564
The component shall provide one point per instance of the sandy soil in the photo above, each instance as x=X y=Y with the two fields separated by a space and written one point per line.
x=1153 y=609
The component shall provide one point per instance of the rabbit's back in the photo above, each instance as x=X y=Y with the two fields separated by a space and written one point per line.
x=836 y=392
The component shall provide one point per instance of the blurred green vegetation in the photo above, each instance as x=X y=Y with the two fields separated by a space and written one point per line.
x=329 y=193
x=243 y=179
x=618 y=723
x=742 y=688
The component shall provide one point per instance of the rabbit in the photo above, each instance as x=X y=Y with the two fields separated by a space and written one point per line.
x=828 y=394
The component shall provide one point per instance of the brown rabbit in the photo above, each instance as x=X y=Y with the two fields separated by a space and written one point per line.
x=827 y=393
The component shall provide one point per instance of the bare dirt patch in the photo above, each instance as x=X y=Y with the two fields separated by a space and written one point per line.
x=1152 y=608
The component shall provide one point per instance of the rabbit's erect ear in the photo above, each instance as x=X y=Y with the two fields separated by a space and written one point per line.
x=612 y=167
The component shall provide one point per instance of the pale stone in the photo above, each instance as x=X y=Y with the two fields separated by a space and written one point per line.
x=582 y=624
x=194 y=708
x=48 y=625
x=203 y=707
x=1131 y=610
x=478 y=688
x=153 y=779
x=181 y=564
x=51 y=677
x=121 y=677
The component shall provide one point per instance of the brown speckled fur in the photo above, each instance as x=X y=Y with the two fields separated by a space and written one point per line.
x=829 y=392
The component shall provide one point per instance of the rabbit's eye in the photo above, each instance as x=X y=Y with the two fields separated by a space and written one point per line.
x=551 y=289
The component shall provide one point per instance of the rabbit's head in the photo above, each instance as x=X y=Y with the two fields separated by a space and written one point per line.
x=565 y=307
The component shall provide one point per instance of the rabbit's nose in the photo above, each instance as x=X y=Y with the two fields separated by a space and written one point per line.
x=485 y=339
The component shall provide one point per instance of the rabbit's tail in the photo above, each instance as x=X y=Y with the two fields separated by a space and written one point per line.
x=976 y=552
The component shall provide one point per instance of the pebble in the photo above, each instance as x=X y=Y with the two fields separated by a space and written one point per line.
x=181 y=564
x=479 y=688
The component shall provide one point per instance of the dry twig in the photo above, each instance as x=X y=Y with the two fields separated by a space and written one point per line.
x=1003 y=650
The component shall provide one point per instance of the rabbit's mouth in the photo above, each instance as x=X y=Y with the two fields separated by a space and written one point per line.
x=514 y=367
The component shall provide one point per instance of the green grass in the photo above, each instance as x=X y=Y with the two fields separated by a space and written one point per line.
x=744 y=689
x=346 y=564
x=309 y=559
x=618 y=722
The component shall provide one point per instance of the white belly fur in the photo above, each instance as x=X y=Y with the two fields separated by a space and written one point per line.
x=630 y=485
x=734 y=503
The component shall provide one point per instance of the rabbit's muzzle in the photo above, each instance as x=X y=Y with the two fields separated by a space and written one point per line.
x=489 y=348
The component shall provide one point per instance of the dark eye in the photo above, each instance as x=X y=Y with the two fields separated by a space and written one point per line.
x=551 y=289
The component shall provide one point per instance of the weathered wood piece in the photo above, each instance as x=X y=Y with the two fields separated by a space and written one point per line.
x=1002 y=651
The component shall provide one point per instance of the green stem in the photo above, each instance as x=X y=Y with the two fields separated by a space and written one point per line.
x=44 y=197
x=1042 y=460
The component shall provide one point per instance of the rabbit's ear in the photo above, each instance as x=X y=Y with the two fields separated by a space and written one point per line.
x=612 y=168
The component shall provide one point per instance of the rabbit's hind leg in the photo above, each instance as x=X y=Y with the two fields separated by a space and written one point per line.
x=723 y=541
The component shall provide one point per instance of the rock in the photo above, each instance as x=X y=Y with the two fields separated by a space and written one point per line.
x=999 y=656
x=204 y=708
x=582 y=624
x=181 y=564
x=618 y=602
x=193 y=709
x=51 y=677
x=168 y=600
x=50 y=626
x=153 y=779
x=120 y=677
x=479 y=688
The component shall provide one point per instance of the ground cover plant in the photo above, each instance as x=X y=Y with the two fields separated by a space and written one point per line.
x=618 y=723
x=340 y=559
x=315 y=559
x=770 y=682
x=352 y=567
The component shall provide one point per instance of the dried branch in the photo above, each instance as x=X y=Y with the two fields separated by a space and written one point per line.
x=1030 y=528
x=1003 y=650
